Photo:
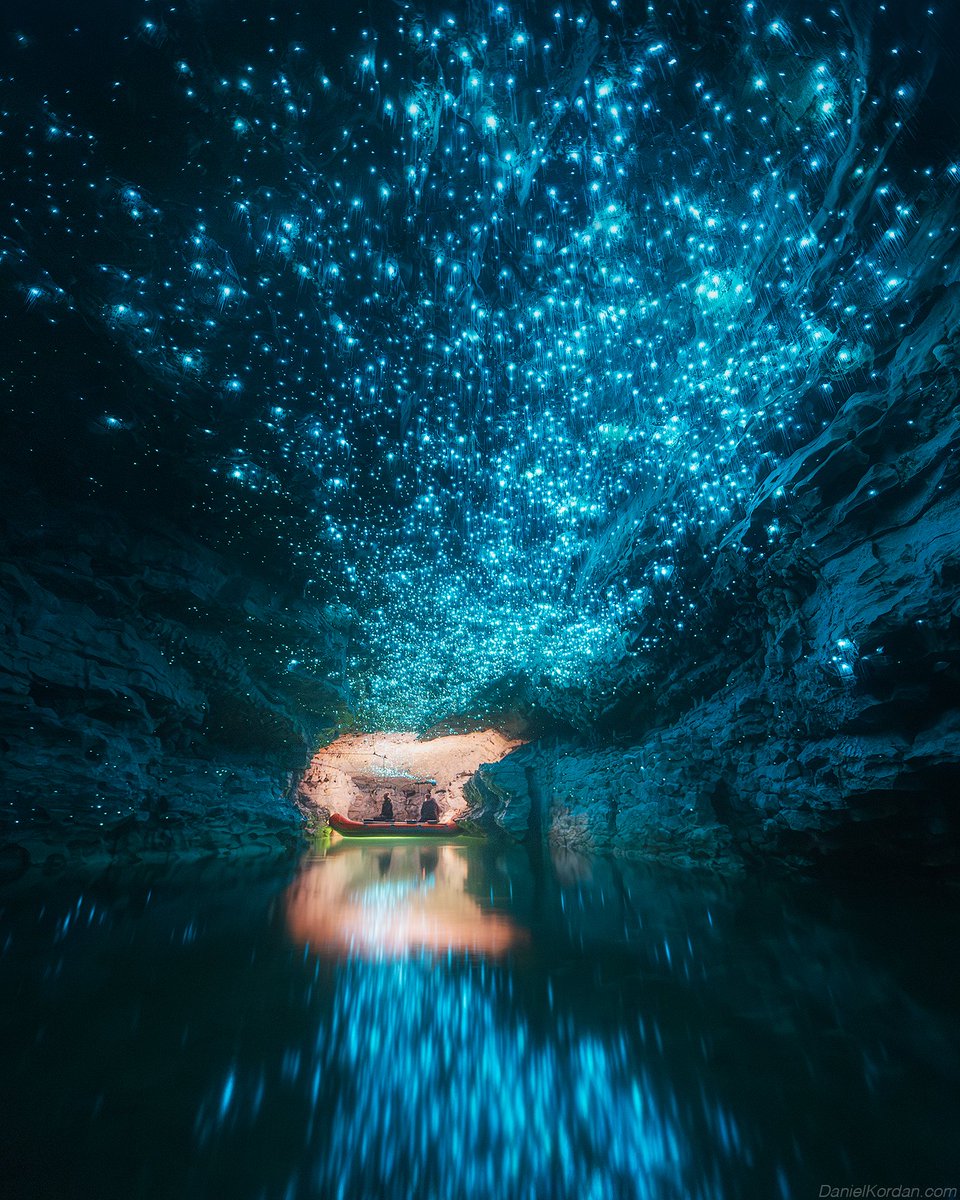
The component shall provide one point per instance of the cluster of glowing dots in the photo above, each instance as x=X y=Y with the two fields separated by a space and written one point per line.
x=525 y=310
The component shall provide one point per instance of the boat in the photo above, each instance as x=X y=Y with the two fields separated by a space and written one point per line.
x=349 y=828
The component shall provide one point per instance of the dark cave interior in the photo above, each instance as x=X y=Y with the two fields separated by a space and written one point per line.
x=540 y=415
x=585 y=374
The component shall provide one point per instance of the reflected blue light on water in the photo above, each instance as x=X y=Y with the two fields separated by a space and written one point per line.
x=432 y=1083
x=452 y=1093
x=386 y=1023
x=434 y=1079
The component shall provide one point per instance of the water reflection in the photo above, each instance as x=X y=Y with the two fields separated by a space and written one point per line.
x=434 y=1020
x=389 y=899
x=444 y=1085
x=450 y=1090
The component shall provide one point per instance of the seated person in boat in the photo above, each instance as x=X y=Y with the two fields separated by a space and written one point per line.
x=386 y=809
x=429 y=812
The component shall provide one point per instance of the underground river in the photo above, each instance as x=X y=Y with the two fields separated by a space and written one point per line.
x=392 y=1019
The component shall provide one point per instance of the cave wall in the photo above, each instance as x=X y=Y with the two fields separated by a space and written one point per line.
x=147 y=699
x=813 y=718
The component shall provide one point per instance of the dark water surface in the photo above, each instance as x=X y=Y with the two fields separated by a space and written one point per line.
x=413 y=1020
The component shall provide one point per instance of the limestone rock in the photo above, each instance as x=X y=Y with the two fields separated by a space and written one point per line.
x=146 y=700
x=812 y=715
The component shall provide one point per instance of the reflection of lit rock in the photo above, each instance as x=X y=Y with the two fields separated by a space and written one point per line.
x=570 y=866
x=392 y=900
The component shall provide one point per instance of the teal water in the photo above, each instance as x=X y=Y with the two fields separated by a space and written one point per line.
x=413 y=1020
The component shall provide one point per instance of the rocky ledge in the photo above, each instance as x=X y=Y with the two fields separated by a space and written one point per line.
x=813 y=716
x=150 y=700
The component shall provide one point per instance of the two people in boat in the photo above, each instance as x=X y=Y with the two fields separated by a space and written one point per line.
x=429 y=811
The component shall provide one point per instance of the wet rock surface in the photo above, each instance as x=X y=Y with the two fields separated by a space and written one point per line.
x=812 y=716
x=727 y=595
x=147 y=704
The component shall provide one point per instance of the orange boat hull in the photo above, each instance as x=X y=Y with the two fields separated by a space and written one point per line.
x=348 y=828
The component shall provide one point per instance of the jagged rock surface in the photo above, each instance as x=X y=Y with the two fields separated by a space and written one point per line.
x=814 y=713
x=145 y=700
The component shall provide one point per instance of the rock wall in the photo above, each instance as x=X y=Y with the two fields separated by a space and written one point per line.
x=812 y=713
x=352 y=774
x=148 y=700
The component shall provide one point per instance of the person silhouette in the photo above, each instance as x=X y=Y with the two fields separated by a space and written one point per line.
x=429 y=812
x=386 y=809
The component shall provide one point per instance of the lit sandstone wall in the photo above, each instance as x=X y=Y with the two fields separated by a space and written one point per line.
x=352 y=774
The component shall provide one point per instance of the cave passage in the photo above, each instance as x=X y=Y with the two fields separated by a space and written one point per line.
x=536 y=419
x=355 y=773
x=583 y=373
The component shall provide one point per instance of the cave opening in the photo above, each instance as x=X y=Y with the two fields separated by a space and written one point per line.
x=355 y=773
x=479 y=598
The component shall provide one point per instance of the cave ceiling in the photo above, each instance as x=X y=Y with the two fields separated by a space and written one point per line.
x=483 y=324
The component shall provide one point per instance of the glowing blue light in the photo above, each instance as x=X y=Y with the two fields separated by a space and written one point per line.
x=555 y=339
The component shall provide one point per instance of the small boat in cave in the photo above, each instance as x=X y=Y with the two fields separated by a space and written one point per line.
x=348 y=828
